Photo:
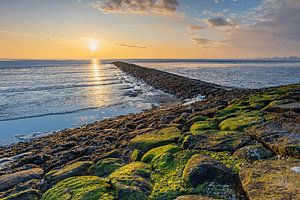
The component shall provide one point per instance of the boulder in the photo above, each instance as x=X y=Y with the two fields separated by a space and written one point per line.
x=79 y=187
x=202 y=125
x=277 y=138
x=272 y=179
x=75 y=169
x=147 y=141
x=132 y=181
x=8 y=181
x=30 y=194
x=242 y=121
x=105 y=167
x=170 y=148
x=254 y=152
x=203 y=168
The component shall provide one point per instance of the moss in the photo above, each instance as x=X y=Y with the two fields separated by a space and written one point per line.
x=170 y=148
x=196 y=119
x=167 y=175
x=148 y=141
x=202 y=125
x=75 y=169
x=136 y=155
x=105 y=167
x=278 y=102
x=232 y=110
x=241 y=121
x=30 y=194
x=132 y=181
x=79 y=188
x=233 y=162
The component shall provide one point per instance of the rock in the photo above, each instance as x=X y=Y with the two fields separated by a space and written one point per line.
x=79 y=187
x=154 y=139
x=105 y=167
x=170 y=148
x=132 y=181
x=242 y=121
x=75 y=169
x=10 y=180
x=136 y=155
x=193 y=197
x=202 y=168
x=29 y=194
x=111 y=154
x=253 y=152
x=276 y=138
x=202 y=125
x=271 y=179
x=196 y=119
x=283 y=105
x=216 y=140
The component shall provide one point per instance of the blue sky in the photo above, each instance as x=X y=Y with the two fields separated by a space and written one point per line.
x=149 y=28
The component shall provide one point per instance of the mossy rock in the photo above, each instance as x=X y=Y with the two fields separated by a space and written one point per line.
x=132 y=181
x=80 y=188
x=193 y=197
x=154 y=139
x=202 y=125
x=242 y=121
x=136 y=155
x=203 y=168
x=272 y=106
x=215 y=140
x=30 y=194
x=272 y=179
x=170 y=148
x=105 y=167
x=167 y=175
x=253 y=153
x=231 y=110
x=75 y=169
x=196 y=119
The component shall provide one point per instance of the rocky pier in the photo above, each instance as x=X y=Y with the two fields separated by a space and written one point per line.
x=235 y=144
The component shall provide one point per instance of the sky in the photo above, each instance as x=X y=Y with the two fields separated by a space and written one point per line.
x=114 y=29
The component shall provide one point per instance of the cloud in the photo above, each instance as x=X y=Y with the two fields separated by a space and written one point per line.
x=218 y=21
x=137 y=6
x=132 y=46
x=201 y=41
x=196 y=27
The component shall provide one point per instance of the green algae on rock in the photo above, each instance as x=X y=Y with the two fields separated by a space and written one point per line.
x=30 y=194
x=203 y=168
x=271 y=179
x=80 y=188
x=105 y=167
x=147 y=141
x=193 y=197
x=170 y=148
x=75 y=169
x=241 y=121
x=136 y=155
x=202 y=125
x=132 y=181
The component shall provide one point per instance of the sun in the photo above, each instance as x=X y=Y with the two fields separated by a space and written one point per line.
x=93 y=46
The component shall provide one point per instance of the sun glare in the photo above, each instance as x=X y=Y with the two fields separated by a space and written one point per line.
x=93 y=46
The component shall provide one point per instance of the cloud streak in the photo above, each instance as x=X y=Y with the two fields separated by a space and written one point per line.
x=132 y=46
x=137 y=6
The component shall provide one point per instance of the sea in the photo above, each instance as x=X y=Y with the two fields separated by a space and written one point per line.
x=39 y=97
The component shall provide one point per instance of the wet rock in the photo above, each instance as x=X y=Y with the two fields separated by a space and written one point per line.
x=271 y=179
x=10 y=180
x=202 y=168
x=148 y=141
x=170 y=148
x=253 y=152
x=30 y=194
x=132 y=181
x=79 y=187
x=282 y=105
x=276 y=138
x=111 y=154
x=105 y=167
x=75 y=169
